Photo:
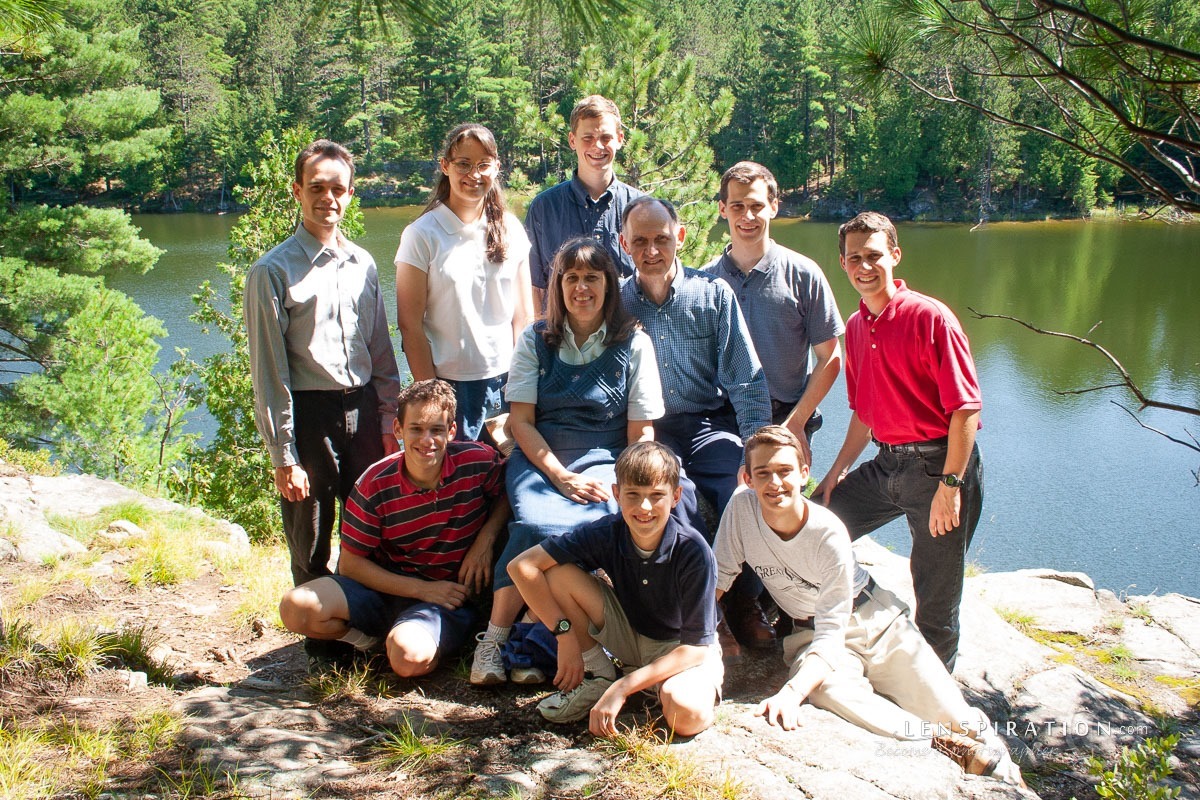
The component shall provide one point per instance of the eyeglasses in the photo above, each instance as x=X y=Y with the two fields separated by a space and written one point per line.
x=464 y=167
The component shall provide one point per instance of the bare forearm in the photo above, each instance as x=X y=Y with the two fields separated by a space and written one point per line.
x=858 y=436
x=825 y=371
x=812 y=673
x=528 y=574
x=417 y=352
x=960 y=441
x=639 y=430
x=497 y=518
x=535 y=448
x=373 y=576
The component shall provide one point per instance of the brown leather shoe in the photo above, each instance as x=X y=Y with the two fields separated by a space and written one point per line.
x=975 y=757
x=748 y=622
x=731 y=651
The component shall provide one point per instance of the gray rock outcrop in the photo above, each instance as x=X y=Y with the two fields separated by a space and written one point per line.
x=27 y=502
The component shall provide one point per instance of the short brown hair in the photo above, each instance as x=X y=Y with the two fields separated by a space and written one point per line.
x=432 y=392
x=774 y=436
x=746 y=173
x=868 y=222
x=647 y=463
x=323 y=148
x=592 y=107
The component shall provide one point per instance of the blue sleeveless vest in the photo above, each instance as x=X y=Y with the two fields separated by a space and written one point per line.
x=582 y=407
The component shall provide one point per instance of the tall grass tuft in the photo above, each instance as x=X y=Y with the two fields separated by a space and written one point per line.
x=409 y=749
x=24 y=775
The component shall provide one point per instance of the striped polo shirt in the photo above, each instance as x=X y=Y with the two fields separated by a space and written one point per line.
x=423 y=533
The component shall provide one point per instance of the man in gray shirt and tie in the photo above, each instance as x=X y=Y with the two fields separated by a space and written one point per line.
x=324 y=372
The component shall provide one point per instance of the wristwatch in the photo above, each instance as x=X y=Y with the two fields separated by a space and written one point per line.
x=953 y=481
x=561 y=627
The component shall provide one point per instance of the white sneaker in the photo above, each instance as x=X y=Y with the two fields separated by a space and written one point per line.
x=526 y=676
x=575 y=704
x=487 y=668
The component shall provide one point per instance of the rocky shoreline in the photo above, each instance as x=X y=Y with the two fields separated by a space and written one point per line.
x=1065 y=671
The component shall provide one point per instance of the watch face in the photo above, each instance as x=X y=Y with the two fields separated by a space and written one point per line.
x=952 y=481
x=563 y=626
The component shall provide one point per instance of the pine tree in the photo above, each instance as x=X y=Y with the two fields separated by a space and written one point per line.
x=85 y=354
x=668 y=125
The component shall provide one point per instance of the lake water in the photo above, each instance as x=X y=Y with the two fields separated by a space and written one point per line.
x=1071 y=481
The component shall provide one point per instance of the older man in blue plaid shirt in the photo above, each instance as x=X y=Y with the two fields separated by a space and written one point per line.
x=713 y=384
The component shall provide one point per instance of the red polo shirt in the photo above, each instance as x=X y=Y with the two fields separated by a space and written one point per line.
x=909 y=369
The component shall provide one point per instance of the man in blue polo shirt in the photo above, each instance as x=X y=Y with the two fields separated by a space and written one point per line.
x=713 y=384
x=785 y=298
x=658 y=616
x=590 y=203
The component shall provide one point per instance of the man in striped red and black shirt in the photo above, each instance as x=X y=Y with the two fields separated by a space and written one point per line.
x=417 y=542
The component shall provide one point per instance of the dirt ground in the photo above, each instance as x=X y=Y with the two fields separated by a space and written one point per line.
x=194 y=628
x=193 y=631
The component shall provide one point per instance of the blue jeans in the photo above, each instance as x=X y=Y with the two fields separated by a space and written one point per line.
x=903 y=484
x=476 y=401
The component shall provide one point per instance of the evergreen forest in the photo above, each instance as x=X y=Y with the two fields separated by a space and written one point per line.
x=160 y=105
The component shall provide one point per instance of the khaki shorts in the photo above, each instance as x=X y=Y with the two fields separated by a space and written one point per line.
x=634 y=650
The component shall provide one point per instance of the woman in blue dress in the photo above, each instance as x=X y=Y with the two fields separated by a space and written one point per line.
x=583 y=385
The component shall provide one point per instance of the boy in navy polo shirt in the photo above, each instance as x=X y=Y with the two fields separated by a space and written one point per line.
x=417 y=537
x=658 y=618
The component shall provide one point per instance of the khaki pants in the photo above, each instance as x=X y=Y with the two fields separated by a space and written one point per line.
x=634 y=650
x=888 y=680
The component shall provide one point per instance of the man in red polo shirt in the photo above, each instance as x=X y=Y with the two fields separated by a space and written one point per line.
x=417 y=537
x=912 y=387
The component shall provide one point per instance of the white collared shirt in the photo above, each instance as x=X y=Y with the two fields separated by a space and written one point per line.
x=471 y=301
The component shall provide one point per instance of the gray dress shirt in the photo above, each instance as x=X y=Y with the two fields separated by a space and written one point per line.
x=315 y=320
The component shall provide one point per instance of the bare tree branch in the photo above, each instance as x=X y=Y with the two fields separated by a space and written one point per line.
x=1126 y=379
x=1112 y=75
x=1193 y=444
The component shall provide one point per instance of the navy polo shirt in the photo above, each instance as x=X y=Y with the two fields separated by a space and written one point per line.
x=565 y=211
x=670 y=595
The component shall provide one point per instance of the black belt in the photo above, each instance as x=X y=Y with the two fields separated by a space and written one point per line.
x=348 y=391
x=863 y=596
x=911 y=448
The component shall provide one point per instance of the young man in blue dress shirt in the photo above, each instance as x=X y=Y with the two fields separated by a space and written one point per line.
x=590 y=203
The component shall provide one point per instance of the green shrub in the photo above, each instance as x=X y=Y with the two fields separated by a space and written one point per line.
x=1138 y=772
